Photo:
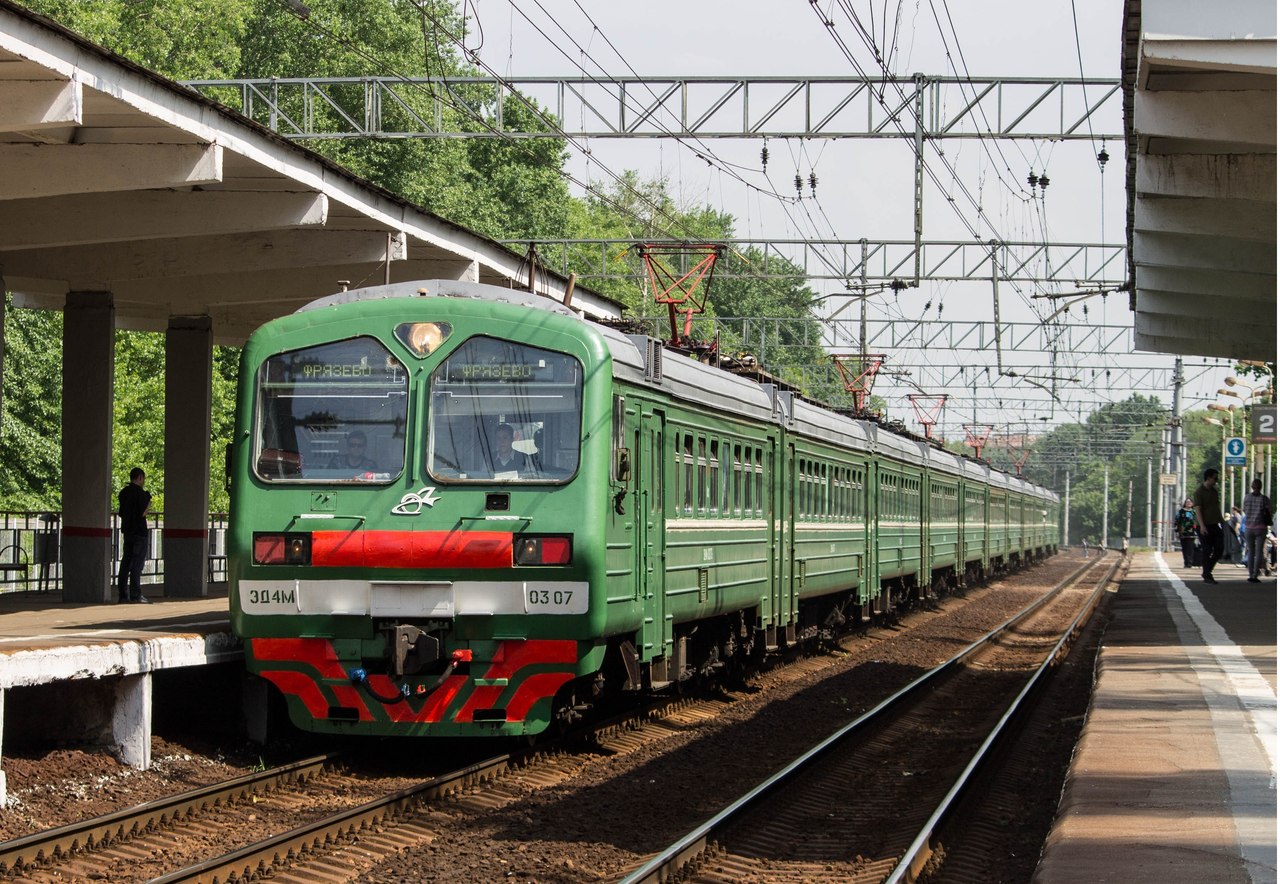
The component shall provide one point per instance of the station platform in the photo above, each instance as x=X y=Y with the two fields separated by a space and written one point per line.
x=89 y=668
x=1174 y=778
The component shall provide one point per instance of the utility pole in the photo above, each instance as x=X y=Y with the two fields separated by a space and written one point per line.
x=1106 y=501
x=1128 y=517
x=1180 y=463
x=1148 y=500
x=1066 y=514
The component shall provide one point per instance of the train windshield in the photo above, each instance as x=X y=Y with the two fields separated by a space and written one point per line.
x=505 y=412
x=332 y=413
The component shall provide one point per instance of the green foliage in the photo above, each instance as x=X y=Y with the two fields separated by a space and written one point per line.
x=31 y=436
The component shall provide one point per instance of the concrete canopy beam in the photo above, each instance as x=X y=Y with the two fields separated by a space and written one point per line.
x=1191 y=304
x=175 y=259
x=1197 y=344
x=1249 y=56
x=1230 y=338
x=1245 y=118
x=1236 y=219
x=93 y=218
x=1182 y=250
x=32 y=105
x=41 y=170
x=1255 y=287
x=1216 y=176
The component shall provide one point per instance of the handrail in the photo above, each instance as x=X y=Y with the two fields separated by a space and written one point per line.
x=34 y=537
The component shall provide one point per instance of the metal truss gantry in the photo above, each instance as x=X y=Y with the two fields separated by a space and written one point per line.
x=932 y=107
x=859 y=261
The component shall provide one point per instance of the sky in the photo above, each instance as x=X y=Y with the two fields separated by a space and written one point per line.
x=866 y=187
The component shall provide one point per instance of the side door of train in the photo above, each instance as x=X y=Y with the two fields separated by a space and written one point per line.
x=653 y=525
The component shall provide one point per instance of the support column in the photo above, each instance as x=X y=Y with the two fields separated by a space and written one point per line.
x=131 y=720
x=88 y=376
x=188 y=403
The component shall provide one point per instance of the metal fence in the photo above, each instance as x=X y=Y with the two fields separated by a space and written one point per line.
x=31 y=546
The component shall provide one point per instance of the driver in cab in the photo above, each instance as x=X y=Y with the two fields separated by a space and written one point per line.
x=507 y=462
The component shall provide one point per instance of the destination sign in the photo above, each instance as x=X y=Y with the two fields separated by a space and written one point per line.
x=508 y=371
x=327 y=370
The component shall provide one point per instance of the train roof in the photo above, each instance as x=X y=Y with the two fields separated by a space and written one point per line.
x=644 y=360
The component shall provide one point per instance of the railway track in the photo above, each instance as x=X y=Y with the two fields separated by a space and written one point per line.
x=866 y=803
x=28 y=854
x=342 y=844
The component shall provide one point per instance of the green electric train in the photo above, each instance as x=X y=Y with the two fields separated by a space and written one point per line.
x=462 y=510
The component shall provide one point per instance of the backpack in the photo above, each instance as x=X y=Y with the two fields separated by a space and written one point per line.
x=1264 y=515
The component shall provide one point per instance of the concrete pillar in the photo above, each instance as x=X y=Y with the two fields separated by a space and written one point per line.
x=88 y=375
x=131 y=720
x=188 y=404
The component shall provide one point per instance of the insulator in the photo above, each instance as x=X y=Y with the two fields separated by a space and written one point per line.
x=764 y=156
x=1103 y=156
x=813 y=182
x=1044 y=181
x=1031 y=179
x=799 y=183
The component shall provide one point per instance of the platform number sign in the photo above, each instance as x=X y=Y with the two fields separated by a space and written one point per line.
x=1235 y=452
x=1264 y=424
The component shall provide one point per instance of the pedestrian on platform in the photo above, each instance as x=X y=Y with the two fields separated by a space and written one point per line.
x=135 y=503
x=1184 y=523
x=1232 y=532
x=1257 y=518
x=1208 y=506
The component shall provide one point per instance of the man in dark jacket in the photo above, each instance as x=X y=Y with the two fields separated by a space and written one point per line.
x=135 y=503
x=1208 y=506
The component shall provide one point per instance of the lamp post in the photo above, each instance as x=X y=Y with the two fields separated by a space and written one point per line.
x=1230 y=411
x=1254 y=392
x=1223 y=466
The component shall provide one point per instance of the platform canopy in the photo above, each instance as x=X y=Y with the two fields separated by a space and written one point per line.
x=117 y=180
x=1200 y=118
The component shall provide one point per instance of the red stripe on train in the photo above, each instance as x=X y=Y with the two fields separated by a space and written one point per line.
x=316 y=652
x=410 y=549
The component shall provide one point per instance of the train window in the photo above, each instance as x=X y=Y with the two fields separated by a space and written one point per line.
x=504 y=412
x=713 y=481
x=726 y=493
x=685 y=456
x=332 y=413
x=702 y=475
x=737 y=480
x=759 y=471
x=747 y=483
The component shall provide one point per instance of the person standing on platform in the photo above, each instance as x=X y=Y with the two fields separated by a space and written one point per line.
x=135 y=503
x=1257 y=519
x=1209 y=520
x=1185 y=524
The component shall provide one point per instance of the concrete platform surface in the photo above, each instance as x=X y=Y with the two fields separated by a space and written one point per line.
x=1174 y=779
x=44 y=639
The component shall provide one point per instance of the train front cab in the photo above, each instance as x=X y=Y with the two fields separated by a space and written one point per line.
x=428 y=589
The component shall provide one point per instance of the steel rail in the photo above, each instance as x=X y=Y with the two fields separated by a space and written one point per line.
x=918 y=853
x=32 y=849
x=244 y=863
x=666 y=863
x=248 y=861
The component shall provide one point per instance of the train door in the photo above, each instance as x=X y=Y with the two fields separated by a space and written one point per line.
x=785 y=485
x=871 y=511
x=653 y=534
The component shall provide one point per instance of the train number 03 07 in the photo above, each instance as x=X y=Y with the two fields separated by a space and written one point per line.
x=559 y=598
